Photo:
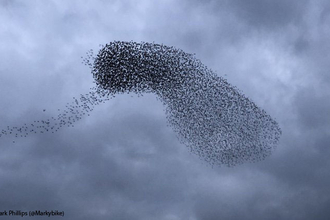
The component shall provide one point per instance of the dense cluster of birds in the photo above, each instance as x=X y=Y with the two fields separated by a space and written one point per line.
x=213 y=118
x=210 y=116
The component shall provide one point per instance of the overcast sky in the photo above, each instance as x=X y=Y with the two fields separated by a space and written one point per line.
x=123 y=161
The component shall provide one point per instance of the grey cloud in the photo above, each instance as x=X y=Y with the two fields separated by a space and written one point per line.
x=301 y=45
x=312 y=108
x=106 y=170
x=269 y=14
x=122 y=162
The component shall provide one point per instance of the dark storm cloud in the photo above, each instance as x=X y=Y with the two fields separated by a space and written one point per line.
x=312 y=109
x=8 y=3
x=301 y=45
x=269 y=14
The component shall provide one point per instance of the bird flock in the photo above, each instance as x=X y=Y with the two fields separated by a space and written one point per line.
x=211 y=117
x=72 y=113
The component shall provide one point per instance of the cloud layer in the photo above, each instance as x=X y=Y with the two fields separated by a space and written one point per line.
x=123 y=161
